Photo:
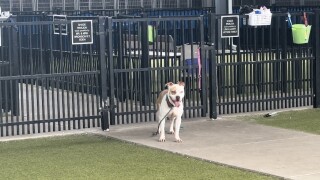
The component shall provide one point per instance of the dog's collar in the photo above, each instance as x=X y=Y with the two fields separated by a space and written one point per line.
x=169 y=102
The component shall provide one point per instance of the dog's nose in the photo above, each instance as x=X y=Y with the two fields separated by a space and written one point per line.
x=177 y=98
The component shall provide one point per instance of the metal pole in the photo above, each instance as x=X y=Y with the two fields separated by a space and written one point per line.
x=14 y=71
x=284 y=47
x=111 y=72
x=230 y=7
x=76 y=5
x=10 y=5
x=154 y=4
x=145 y=75
x=35 y=5
x=221 y=8
x=51 y=5
x=21 y=5
x=103 y=75
x=116 y=4
x=64 y=5
x=203 y=58
x=212 y=70
x=316 y=61
x=126 y=4
x=103 y=4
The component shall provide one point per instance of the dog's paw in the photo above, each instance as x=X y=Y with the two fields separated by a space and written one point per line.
x=171 y=132
x=178 y=140
x=162 y=139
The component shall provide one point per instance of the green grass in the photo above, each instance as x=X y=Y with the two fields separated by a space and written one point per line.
x=97 y=157
x=301 y=120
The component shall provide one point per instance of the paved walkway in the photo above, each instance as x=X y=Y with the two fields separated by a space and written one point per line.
x=280 y=152
x=285 y=153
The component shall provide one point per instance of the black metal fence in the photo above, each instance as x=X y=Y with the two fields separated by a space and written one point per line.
x=263 y=69
x=47 y=84
x=141 y=65
x=151 y=12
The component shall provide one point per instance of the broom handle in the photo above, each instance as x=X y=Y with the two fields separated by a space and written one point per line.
x=305 y=19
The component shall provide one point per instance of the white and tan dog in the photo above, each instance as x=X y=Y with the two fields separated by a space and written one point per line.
x=170 y=105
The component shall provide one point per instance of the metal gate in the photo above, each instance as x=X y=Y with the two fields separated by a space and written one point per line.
x=146 y=53
x=47 y=84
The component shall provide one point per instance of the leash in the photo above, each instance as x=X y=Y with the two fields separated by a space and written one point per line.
x=156 y=133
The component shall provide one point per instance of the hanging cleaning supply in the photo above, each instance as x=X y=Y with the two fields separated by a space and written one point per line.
x=305 y=19
x=289 y=20
x=300 y=33
x=305 y=23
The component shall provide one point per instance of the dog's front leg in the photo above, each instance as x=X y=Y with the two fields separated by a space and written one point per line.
x=172 y=119
x=177 y=129
x=161 y=128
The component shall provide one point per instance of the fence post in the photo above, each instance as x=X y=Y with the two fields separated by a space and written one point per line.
x=14 y=63
x=212 y=69
x=316 y=61
x=110 y=79
x=145 y=63
x=203 y=57
x=103 y=75
x=45 y=69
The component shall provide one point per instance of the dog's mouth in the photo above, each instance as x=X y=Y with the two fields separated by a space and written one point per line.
x=174 y=101
x=177 y=103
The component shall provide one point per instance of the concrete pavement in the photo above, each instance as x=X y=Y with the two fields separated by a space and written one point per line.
x=285 y=153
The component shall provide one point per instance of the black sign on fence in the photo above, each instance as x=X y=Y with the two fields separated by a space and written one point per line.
x=229 y=26
x=81 y=32
x=60 y=28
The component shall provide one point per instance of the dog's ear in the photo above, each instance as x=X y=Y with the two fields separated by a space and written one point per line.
x=181 y=83
x=169 y=84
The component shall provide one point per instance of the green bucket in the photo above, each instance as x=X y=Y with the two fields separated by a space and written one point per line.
x=300 y=33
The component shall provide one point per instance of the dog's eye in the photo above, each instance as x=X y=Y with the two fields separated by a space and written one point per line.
x=173 y=92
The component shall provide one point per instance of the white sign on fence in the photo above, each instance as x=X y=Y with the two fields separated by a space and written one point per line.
x=229 y=26
x=60 y=29
x=81 y=32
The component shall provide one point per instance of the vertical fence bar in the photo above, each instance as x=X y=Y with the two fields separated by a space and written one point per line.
x=316 y=61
